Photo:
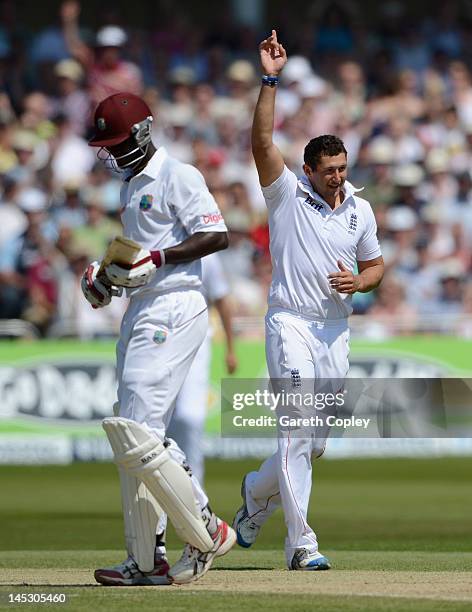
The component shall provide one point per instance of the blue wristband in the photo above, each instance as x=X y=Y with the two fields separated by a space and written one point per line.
x=271 y=81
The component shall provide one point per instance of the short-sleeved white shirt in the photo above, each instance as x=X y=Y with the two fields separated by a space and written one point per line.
x=215 y=286
x=307 y=238
x=162 y=206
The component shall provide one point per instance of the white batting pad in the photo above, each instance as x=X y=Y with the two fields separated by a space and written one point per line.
x=142 y=455
x=141 y=513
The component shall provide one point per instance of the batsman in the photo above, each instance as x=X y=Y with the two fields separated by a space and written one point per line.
x=170 y=221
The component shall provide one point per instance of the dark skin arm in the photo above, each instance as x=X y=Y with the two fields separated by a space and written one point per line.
x=370 y=276
x=196 y=246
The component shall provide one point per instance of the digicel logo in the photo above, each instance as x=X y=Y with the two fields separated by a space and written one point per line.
x=212 y=218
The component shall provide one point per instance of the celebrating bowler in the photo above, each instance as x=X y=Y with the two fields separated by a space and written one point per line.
x=320 y=229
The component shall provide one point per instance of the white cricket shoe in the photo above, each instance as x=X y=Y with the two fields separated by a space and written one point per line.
x=309 y=561
x=128 y=573
x=246 y=528
x=193 y=564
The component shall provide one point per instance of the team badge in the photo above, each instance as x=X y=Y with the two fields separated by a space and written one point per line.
x=352 y=224
x=146 y=202
x=296 y=379
x=160 y=336
x=101 y=124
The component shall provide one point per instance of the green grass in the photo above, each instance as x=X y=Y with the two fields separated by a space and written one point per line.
x=381 y=504
x=241 y=559
x=382 y=514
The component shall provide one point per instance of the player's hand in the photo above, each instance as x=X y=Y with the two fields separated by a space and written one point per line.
x=134 y=274
x=231 y=362
x=70 y=11
x=97 y=293
x=273 y=55
x=344 y=281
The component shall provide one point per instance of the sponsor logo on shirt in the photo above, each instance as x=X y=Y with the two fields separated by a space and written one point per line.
x=352 y=224
x=314 y=204
x=212 y=218
x=146 y=202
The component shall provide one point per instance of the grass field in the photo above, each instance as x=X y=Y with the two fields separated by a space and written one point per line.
x=398 y=532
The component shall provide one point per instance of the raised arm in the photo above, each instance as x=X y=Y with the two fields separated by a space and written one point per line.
x=268 y=158
x=69 y=13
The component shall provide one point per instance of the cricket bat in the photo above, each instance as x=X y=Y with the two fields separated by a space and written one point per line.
x=121 y=251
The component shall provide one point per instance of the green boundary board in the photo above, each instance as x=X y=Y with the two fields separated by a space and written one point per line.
x=455 y=354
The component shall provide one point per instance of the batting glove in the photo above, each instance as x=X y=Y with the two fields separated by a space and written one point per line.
x=136 y=273
x=96 y=293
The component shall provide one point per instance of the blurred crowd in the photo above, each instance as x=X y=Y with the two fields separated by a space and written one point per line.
x=399 y=93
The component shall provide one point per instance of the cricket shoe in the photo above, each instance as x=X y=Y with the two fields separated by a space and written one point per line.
x=193 y=564
x=309 y=561
x=129 y=574
x=246 y=528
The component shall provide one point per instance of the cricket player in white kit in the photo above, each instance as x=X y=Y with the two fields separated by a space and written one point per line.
x=168 y=210
x=319 y=230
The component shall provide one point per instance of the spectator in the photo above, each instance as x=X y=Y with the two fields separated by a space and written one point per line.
x=28 y=284
x=408 y=148
x=411 y=51
x=380 y=191
x=73 y=102
x=67 y=146
x=437 y=232
x=391 y=312
x=406 y=179
x=14 y=220
x=30 y=156
x=440 y=185
x=106 y=185
x=398 y=248
x=350 y=99
x=98 y=230
x=399 y=94
x=451 y=294
x=107 y=72
x=68 y=210
x=423 y=280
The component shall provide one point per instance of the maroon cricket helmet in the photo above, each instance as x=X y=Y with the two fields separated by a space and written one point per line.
x=115 y=116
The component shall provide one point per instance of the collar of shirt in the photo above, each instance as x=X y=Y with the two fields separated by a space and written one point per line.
x=348 y=189
x=154 y=165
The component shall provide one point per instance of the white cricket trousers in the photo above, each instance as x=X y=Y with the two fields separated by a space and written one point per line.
x=159 y=338
x=188 y=419
x=299 y=351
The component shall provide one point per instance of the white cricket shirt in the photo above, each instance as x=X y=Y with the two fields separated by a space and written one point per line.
x=215 y=286
x=163 y=205
x=214 y=283
x=307 y=238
